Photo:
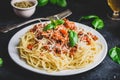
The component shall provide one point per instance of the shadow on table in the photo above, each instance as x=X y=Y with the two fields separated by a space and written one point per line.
x=114 y=28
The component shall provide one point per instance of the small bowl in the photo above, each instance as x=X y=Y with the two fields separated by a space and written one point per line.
x=24 y=12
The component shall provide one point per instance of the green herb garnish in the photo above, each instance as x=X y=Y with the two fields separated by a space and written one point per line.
x=42 y=2
x=53 y=24
x=97 y=22
x=61 y=3
x=49 y=26
x=89 y=17
x=1 y=62
x=73 y=38
x=53 y=1
x=58 y=22
x=114 y=53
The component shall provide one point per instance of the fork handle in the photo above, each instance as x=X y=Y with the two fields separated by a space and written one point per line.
x=61 y=15
x=11 y=27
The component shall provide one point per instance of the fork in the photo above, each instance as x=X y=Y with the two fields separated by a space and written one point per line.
x=61 y=15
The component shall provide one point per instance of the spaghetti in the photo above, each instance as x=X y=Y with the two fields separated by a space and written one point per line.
x=50 y=50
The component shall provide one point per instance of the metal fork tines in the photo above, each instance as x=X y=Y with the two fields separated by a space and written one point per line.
x=61 y=15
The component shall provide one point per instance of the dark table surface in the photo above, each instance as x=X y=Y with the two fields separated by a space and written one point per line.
x=107 y=70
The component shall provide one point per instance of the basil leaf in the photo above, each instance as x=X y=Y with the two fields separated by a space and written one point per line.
x=62 y=3
x=42 y=2
x=59 y=22
x=98 y=23
x=1 y=62
x=49 y=26
x=89 y=17
x=53 y=1
x=73 y=38
x=115 y=54
x=53 y=24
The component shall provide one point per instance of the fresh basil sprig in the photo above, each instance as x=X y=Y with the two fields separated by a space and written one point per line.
x=42 y=2
x=1 y=62
x=58 y=22
x=97 y=22
x=73 y=38
x=89 y=17
x=49 y=26
x=114 y=53
x=53 y=1
x=61 y=3
x=53 y=24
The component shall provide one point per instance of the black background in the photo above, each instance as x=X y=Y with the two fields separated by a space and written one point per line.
x=107 y=70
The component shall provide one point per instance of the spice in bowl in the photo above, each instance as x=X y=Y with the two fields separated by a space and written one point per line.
x=24 y=8
x=24 y=4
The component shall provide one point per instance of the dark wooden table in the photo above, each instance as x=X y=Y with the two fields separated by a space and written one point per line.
x=107 y=70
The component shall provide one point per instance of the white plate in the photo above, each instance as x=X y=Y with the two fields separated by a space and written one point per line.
x=13 y=52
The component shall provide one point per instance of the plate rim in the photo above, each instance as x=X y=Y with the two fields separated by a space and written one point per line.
x=30 y=68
